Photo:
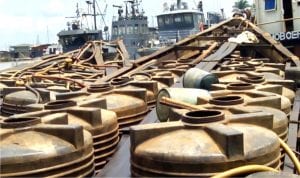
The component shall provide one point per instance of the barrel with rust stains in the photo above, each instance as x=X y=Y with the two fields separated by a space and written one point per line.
x=235 y=76
x=266 y=82
x=252 y=66
x=138 y=81
x=251 y=98
x=130 y=105
x=17 y=102
x=101 y=123
x=2 y=85
x=202 y=144
x=277 y=88
x=238 y=103
x=31 y=149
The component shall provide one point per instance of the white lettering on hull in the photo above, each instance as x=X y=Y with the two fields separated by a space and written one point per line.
x=282 y=36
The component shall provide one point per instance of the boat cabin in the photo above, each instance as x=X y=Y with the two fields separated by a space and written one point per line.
x=75 y=38
x=132 y=27
x=178 y=22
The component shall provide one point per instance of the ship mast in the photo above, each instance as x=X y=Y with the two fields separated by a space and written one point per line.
x=178 y=4
x=94 y=14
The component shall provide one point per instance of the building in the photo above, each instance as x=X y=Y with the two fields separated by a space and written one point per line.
x=5 y=56
x=281 y=18
x=38 y=50
x=32 y=51
x=21 y=51
x=53 y=49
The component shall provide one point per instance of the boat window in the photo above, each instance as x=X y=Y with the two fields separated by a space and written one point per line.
x=200 y=18
x=177 y=18
x=136 y=28
x=160 y=21
x=115 y=30
x=130 y=29
x=188 y=18
x=145 y=29
x=140 y=29
x=168 y=20
x=270 y=5
x=78 y=40
x=122 y=30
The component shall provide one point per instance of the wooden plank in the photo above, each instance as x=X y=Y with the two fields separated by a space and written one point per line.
x=98 y=54
x=201 y=65
x=213 y=38
x=123 y=49
x=255 y=45
x=115 y=74
x=205 y=53
x=192 y=48
x=189 y=55
x=293 y=129
x=185 y=41
x=214 y=59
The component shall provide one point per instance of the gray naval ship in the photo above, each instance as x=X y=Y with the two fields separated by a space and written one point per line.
x=76 y=35
x=177 y=22
x=131 y=26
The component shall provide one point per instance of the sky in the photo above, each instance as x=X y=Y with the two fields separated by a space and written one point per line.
x=39 y=21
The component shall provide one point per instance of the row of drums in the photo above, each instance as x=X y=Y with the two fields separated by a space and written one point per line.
x=231 y=117
x=47 y=130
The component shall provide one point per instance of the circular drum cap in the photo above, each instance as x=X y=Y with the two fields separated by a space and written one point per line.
x=60 y=104
x=196 y=118
x=226 y=100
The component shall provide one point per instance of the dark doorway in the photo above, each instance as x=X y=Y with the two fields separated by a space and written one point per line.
x=288 y=13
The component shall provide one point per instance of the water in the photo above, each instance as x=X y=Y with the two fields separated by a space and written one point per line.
x=7 y=65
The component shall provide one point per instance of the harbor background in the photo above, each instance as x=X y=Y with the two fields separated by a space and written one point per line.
x=38 y=21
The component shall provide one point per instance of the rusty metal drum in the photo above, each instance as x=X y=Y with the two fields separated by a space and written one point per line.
x=205 y=139
x=32 y=149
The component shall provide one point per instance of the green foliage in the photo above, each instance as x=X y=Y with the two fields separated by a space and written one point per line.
x=241 y=4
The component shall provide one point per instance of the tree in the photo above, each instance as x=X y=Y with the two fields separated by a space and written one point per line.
x=240 y=5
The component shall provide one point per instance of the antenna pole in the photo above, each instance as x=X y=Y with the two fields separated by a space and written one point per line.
x=126 y=10
x=178 y=4
x=95 y=15
x=47 y=34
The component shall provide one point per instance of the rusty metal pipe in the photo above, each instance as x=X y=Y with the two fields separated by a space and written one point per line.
x=143 y=67
x=59 y=78
x=178 y=104
x=205 y=53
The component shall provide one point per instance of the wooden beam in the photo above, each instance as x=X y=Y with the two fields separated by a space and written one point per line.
x=192 y=48
x=205 y=53
x=256 y=45
x=214 y=38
